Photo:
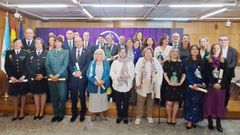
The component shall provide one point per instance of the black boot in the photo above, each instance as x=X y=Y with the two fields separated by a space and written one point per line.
x=219 y=127
x=210 y=123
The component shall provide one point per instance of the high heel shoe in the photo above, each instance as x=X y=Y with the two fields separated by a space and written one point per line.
x=14 y=118
x=41 y=117
x=35 y=117
x=21 y=118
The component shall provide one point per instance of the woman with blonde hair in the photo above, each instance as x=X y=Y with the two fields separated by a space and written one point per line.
x=98 y=82
x=149 y=75
x=174 y=75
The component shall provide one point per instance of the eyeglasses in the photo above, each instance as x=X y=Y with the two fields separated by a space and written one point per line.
x=223 y=39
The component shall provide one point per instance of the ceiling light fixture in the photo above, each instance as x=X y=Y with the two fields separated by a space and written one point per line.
x=117 y=6
x=117 y=18
x=42 y=6
x=87 y=13
x=213 y=13
x=196 y=6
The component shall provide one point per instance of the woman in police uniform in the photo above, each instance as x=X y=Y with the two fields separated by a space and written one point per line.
x=15 y=66
x=37 y=77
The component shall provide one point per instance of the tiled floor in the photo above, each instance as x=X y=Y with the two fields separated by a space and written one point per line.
x=109 y=127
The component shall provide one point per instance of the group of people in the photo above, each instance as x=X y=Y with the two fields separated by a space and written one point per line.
x=177 y=73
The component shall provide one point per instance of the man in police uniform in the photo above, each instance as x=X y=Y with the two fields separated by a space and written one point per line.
x=15 y=66
x=56 y=67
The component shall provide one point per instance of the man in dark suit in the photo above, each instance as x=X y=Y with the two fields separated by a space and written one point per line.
x=230 y=54
x=29 y=42
x=86 y=43
x=78 y=83
x=175 y=40
x=101 y=42
x=69 y=43
x=122 y=41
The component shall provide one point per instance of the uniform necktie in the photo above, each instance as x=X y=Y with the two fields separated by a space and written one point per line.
x=28 y=43
x=38 y=54
x=78 y=55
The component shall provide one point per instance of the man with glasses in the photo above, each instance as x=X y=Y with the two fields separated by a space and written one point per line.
x=230 y=54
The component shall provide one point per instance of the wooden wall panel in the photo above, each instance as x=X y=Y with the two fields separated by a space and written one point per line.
x=195 y=29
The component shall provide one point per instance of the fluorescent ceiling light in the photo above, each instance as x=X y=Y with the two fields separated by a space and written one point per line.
x=117 y=6
x=87 y=13
x=117 y=18
x=173 y=19
x=42 y=6
x=196 y=6
x=213 y=13
x=75 y=1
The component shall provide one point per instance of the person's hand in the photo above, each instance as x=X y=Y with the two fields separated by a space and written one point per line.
x=96 y=83
x=195 y=87
x=14 y=80
x=138 y=86
x=21 y=79
x=55 y=78
x=77 y=74
x=101 y=82
x=39 y=77
x=217 y=86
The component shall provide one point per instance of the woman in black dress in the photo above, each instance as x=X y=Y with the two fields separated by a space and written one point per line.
x=15 y=66
x=37 y=81
x=174 y=74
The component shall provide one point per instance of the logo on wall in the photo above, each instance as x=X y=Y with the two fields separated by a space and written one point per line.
x=105 y=33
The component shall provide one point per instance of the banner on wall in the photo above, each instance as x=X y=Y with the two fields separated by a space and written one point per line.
x=156 y=33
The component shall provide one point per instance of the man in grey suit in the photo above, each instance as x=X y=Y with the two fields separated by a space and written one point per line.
x=230 y=54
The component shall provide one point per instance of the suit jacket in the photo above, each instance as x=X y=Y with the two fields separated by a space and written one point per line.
x=15 y=65
x=57 y=63
x=231 y=60
x=36 y=64
x=113 y=50
x=171 y=44
x=26 y=47
x=90 y=47
x=66 y=46
x=83 y=63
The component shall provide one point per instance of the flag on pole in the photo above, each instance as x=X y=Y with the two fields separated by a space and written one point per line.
x=13 y=31
x=20 y=35
x=6 y=43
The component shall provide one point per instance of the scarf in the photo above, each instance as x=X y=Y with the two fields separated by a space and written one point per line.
x=124 y=71
x=216 y=62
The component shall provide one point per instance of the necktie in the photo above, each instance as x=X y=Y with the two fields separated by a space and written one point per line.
x=17 y=52
x=38 y=54
x=28 y=43
x=78 y=55
x=85 y=44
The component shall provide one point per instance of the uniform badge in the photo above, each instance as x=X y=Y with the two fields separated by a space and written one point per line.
x=10 y=56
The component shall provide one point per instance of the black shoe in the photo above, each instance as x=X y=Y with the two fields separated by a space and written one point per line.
x=54 y=119
x=14 y=118
x=189 y=126
x=82 y=118
x=118 y=120
x=41 y=117
x=125 y=121
x=59 y=119
x=21 y=118
x=210 y=123
x=219 y=127
x=73 y=118
x=35 y=117
x=169 y=123
x=173 y=123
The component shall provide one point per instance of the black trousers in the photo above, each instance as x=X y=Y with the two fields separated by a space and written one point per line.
x=75 y=94
x=122 y=103
x=228 y=88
